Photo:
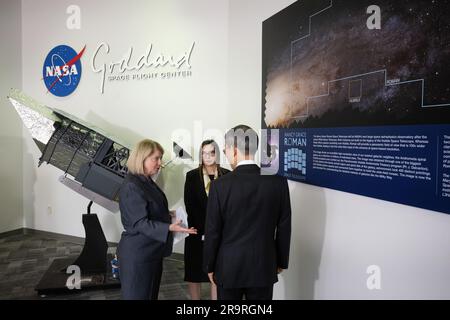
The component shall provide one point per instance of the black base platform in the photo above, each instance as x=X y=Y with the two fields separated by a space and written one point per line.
x=93 y=262
x=55 y=278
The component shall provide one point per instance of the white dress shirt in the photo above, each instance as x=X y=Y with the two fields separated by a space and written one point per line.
x=245 y=162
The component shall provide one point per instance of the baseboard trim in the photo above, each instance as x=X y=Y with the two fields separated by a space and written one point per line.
x=14 y=232
x=58 y=236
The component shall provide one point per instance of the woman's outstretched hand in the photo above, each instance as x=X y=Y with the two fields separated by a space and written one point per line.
x=176 y=227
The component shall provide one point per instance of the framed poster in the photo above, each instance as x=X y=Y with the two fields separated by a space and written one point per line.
x=358 y=93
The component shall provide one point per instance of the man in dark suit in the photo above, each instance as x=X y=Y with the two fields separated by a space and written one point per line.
x=248 y=224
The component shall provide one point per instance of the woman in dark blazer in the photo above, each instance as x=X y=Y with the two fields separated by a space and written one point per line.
x=144 y=211
x=196 y=190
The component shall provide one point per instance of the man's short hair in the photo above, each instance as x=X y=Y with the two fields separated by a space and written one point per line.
x=244 y=138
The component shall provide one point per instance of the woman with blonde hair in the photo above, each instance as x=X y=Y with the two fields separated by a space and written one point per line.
x=145 y=216
x=196 y=189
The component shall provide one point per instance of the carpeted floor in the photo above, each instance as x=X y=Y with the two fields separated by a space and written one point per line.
x=25 y=256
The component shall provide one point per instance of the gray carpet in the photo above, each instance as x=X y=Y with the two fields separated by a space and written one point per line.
x=25 y=255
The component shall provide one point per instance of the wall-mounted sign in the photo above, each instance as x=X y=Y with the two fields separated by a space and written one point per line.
x=137 y=67
x=62 y=70
x=360 y=91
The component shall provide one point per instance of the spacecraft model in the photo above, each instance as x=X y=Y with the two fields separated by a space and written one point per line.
x=94 y=165
x=93 y=161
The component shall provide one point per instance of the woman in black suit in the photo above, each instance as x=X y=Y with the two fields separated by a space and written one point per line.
x=196 y=190
x=144 y=211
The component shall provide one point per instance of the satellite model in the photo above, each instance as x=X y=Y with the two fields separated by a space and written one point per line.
x=94 y=165
x=95 y=159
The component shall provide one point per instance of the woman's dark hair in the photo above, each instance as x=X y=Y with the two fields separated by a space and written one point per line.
x=217 y=154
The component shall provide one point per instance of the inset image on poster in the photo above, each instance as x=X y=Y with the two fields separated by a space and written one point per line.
x=356 y=63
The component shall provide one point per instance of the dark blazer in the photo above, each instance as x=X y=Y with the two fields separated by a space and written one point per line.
x=146 y=219
x=248 y=228
x=195 y=199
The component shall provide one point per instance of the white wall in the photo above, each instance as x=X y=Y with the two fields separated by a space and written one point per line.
x=11 y=216
x=337 y=235
x=152 y=108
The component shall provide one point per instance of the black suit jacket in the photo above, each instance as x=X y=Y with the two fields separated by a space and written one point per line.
x=195 y=199
x=248 y=228
x=145 y=217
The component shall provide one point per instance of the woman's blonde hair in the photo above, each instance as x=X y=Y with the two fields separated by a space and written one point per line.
x=138 y=155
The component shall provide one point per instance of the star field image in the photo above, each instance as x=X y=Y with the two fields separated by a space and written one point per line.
x=324 y=67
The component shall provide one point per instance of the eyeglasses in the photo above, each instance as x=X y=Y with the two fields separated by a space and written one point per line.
x=209 y=154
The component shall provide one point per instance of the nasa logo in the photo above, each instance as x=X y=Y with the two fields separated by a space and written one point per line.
x=62 y=70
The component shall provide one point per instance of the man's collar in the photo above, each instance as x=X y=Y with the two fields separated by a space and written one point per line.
x=245 y=162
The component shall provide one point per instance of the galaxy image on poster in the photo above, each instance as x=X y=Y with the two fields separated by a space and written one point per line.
x=359 y=95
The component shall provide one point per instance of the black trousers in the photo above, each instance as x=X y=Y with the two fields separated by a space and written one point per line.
x=140 y=281
x=262 y=293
